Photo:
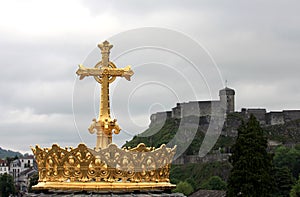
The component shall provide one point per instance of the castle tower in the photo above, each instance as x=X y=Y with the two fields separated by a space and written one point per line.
x=227 y=97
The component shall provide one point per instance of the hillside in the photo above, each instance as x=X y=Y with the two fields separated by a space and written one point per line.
x=171 y=125
x=8 y=153
x=196 y=174
x=287 y=133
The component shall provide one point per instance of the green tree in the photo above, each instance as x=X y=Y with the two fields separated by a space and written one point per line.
x=252 y=165
x=214 y=183
x=7 y=185
x=283 y=181
x=288 y=157
x=9 y=160
x=295 y=192
x=34 y=179
x=192 y=182
x=184 y=187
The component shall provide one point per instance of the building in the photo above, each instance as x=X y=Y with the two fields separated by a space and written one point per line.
x=209 y=193
x=24 y=178
x=227 y=97
x=203 y=115
x=271 y=118
x=18 y=166
x=4 y=168
x=225 y=105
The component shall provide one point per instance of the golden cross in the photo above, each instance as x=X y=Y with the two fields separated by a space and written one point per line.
x=104 y=72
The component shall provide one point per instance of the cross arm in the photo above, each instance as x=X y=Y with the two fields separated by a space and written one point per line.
x=122 y=72
x=84 y=71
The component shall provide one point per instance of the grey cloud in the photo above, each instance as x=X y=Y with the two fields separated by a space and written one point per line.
x=254 y=43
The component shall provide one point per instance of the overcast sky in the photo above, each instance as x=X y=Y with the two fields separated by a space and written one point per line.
x=254 y=45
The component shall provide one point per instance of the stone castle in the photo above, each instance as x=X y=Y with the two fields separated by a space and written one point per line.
x=225 y=104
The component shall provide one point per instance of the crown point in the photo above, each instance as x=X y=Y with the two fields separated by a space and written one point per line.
x=105 y=46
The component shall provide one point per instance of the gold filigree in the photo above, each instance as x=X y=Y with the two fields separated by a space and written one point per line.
x=111 y=165
x=106 y=167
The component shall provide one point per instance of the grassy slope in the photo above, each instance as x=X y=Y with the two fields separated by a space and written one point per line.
x=198 y=173
x=8 y=153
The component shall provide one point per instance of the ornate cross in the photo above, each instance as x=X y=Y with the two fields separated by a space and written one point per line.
x=104 y=72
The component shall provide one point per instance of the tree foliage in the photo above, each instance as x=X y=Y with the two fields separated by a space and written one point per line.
x=34 y=179
x=252 y=165
x=7 y=185
x=295 y=192
x=283 y=181
x=8 y=153
x=197 y=174
x=288 y=157
x=214 y=183
x=184 y=187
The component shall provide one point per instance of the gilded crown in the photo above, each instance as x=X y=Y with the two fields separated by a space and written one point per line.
x=109 y=166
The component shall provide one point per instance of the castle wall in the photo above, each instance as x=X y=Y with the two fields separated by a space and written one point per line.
x=274 y=118
x=291 y=115
x=260 y=114
x=207 y=108
x=206 y=159
x=190 y=109
x=204 y=110
x=176 y=111
x=196 y=108
x=271 y=118
x=160 y=117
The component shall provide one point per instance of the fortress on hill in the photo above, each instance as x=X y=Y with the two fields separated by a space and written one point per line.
x=226 y=104
x=282 y=127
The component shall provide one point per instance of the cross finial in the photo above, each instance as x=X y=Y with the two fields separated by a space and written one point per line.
x=104 y=72
x=105 y=50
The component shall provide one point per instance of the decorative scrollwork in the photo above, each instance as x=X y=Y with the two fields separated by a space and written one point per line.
x=112 y=164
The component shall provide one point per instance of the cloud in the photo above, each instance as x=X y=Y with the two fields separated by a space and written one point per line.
x=52 y=18
x=255 y=45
